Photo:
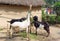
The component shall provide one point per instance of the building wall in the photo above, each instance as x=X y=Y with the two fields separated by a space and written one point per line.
x=8 y=12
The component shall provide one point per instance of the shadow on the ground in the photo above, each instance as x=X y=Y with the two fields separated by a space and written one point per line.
x=15 y=38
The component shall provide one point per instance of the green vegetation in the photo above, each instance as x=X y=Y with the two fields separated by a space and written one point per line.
x=49 y=18
x=1 y=29
x=43 y=15
x=58 y=19
x=57 y=8
x=24 y=35
x=51 y=2
x=33 y=36
x=52 y=18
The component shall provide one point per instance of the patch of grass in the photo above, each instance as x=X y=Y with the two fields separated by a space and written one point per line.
x=31 y=35
x=1 y=29
x=23 y=34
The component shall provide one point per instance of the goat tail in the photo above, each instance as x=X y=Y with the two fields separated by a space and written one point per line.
x=9 y=21
x=10 y=24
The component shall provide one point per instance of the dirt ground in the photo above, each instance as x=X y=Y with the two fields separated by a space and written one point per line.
x=54 y=35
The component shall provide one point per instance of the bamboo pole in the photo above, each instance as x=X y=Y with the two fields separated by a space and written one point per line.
x=30 y=8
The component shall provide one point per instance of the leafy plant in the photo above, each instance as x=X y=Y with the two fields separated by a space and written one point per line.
x=57 y=8
x=43 y=15
x=52 y=19
x=58 y=19
x=24 y=35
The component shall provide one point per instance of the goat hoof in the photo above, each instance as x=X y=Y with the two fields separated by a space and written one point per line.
x=36 y=34
x=10 y=37
x=28 y=39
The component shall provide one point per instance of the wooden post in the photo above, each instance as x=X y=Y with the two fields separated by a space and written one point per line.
x=30 y=8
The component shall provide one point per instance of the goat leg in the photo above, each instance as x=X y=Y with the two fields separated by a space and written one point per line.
x=47 y=30
x=36 y=31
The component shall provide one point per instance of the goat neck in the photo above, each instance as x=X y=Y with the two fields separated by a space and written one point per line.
x=28 y=17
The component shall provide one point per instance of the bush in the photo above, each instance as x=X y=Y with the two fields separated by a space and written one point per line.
x=57 y=8
x=52 y=19
x=43 y=15
x=49 y=18
x=58 y=19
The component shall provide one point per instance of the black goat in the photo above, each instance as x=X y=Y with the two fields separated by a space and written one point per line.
x=37 y=24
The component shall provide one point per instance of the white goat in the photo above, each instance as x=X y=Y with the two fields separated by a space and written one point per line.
x=23 y=24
